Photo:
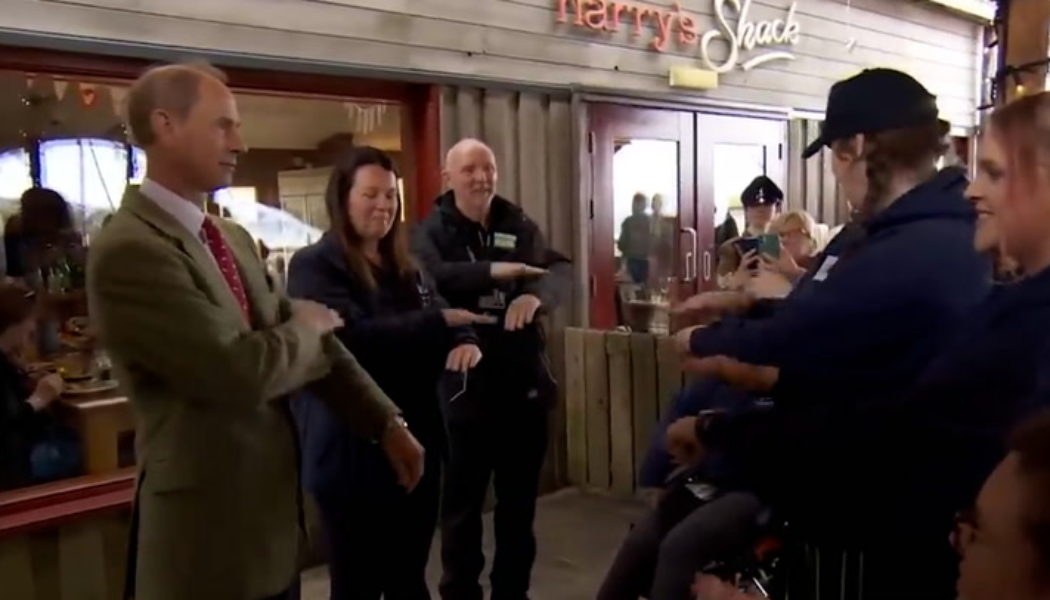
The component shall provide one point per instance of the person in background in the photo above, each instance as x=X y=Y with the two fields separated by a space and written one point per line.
x=1004 y=540
x=405 y=336
x=664 y=232
x=761 y=199
x=41 y=243
x=636 y=240
x=46 y=253
x=208 y=354
x=766 y=276
x=24 y=421
x=487 y=256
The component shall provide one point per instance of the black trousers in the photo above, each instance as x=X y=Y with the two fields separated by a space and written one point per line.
x=379 y=536
x=509 y=450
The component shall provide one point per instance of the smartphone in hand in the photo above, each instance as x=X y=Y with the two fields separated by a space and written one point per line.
x=769 y=245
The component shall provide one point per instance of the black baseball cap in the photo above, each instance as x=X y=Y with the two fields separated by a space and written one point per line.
x=873 y=101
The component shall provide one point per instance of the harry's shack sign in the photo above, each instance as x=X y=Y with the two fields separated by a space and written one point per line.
x=751 y=42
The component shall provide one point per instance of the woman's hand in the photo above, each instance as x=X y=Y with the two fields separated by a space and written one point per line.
x=458 y=317
x=463 y=358
x=743 y=274
x=48 y=389
x=748 y=377
x=681 y=441
x=784 y=264
x=709 y=306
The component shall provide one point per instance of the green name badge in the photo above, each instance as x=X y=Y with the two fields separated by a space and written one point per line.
x=504 y=241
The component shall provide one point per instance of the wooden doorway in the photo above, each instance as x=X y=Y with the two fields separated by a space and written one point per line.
x=662 y=180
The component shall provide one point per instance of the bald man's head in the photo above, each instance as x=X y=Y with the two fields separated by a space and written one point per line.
x=470 y=172
x=171 y=88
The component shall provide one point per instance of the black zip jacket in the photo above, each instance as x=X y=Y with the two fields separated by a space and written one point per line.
x=459 y=254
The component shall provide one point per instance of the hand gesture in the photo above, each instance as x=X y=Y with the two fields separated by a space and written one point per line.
x=708 y=306
x=405 y=455
x=743 y=274
x=681 y=442
x=784 y=264
x=458 y=317
x=463 y=358
x=683 y=339
x=514 y=270
x=521 y=312
x=48 y=389
x=317 y=317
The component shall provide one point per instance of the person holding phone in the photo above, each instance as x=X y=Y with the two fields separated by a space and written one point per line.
x=774 y=262
x=405 y=336
x=762 y=199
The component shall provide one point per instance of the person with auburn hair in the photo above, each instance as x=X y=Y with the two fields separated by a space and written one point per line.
x=406 y=337
x=208 y=353
x=934 y=445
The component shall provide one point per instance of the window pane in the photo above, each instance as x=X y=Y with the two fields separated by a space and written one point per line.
x=15 y=178
x=91 y=174
x=276 y=228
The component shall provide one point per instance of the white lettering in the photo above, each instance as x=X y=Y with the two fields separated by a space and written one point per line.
x=733 y=27
x=748 y=35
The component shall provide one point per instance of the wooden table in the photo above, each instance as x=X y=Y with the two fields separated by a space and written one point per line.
x=100 y=419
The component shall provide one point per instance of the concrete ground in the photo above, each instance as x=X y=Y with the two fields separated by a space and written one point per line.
x=577 y=535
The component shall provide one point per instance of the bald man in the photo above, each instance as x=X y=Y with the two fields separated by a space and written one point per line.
x=208 y=352
x=489 y=257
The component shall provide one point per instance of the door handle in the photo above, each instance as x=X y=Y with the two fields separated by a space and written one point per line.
x=707 y=265
x=690 y=256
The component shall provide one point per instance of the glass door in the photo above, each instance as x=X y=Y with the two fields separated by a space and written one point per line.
x=731 y=151
x=642 y=200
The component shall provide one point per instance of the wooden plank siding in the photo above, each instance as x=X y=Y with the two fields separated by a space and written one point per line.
x=519 y=41
x=628 y=380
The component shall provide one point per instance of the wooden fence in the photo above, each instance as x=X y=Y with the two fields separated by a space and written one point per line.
x=616 y=387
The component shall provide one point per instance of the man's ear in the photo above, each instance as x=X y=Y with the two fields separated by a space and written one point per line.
x=446 y=179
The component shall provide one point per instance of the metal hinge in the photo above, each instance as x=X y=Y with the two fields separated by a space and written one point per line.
x=591 y=142
x=780 y=151
x=590 y=208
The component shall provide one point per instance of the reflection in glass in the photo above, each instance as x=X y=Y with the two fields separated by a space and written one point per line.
x=735 y=166
x=645 y=209
x=15 y=177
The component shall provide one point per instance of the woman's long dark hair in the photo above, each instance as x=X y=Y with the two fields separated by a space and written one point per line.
x=393 y=248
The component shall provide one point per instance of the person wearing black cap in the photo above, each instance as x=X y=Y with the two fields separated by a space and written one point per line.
x=761 y=199
x=872 y=317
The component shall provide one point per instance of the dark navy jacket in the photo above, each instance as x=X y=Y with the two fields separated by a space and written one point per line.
x=399 y=336
x=884 y=302
x=903 y=466
x=708 y=394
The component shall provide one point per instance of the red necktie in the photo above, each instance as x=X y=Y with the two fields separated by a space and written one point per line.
x=224 y=258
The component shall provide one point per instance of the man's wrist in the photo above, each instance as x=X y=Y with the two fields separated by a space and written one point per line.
x=394 y=423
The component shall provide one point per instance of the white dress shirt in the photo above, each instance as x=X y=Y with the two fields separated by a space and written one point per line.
x=188 y=214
